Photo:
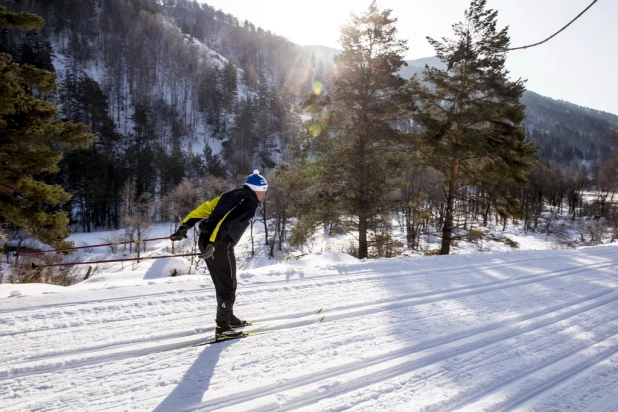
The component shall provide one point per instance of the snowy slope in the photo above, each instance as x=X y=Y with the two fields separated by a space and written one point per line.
x=523 y=330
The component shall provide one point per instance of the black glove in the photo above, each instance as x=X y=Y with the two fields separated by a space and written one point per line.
x=180 y=234
x=207 y=253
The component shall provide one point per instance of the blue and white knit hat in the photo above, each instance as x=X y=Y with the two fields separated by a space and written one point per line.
x=256 y=182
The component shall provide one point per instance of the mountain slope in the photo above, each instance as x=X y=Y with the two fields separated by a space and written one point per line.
x=171 y=90
x=529 y=330
x=564 y=131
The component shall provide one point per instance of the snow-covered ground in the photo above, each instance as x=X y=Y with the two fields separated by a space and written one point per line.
x=519 y=330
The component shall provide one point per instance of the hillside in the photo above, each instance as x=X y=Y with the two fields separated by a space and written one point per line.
x=565 y=132
x=171 y=90
x=526 y=330
x=177 y=92
x=191 y=76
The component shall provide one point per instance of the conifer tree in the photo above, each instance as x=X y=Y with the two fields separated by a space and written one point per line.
x=210 y=98
x=37 y=51
x=266 y=124
x=92 y=175
x=471 y=114
x=354 y=139
x=230 y=85
x=24 y=21
x=141 y=153
x=239 y=151
x=214 y=165
x=31 y=143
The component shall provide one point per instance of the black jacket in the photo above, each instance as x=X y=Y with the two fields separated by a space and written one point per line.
x=230 y=217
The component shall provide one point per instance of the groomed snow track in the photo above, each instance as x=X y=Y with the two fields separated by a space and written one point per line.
x=510 y=331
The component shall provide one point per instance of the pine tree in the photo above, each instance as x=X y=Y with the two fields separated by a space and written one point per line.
x=241 y=148
x=210 y=98
x=194 y=165
x=93 y=175
x=214 y=165
x=230 y=85
x=266 y=125
x=94 y=109
x=175 y=171
x=471 y=114
x=24 y=21
x=355 y=138
x=141 y=154
x=31 y=143
x=37 y=51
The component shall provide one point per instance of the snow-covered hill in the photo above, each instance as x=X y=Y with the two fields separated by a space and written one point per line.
x=520 y=330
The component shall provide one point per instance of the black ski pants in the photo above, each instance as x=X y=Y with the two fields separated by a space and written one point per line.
x=222 y=268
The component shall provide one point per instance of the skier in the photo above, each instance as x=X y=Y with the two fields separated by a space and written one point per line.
x=224 y=219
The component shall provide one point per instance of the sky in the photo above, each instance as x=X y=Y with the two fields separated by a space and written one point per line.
x=578 y=65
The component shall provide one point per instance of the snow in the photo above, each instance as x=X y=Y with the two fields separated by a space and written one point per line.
x=205 y=52
x=11 y=290
x=163 y=268
x=525 y=330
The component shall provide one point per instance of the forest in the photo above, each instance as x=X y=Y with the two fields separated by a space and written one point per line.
x=161 y=105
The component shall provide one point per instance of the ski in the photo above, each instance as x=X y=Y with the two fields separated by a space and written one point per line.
x=212 y=341
x=244 y=335
x=323 y=316
x=206 y=330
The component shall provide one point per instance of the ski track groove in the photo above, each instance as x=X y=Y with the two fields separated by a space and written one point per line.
x=561 y=378
x=335 y=313
x=464 y=401
x=389 y=365
x=537 y=320
x=257 y=288
x=201 y=298
x=529 y=393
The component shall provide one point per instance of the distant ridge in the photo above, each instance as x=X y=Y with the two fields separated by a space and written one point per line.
x=564 y=131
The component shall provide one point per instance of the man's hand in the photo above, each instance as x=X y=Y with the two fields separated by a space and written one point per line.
x=207 y=254
x=180 y=234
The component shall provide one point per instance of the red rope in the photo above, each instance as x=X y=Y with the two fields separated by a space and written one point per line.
x=90 y=246
x=114 y=260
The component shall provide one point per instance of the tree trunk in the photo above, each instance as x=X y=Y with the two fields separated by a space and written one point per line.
x=265 y=222
x=282 y=231
x=447 y=229
x=409 y=228
x=362 y=236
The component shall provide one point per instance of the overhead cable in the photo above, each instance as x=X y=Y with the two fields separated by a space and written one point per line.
x=556 y=33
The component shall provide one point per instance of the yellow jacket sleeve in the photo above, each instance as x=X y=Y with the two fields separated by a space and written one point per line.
x=202 y=211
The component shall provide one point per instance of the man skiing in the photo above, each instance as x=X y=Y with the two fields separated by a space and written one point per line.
x=224 y=219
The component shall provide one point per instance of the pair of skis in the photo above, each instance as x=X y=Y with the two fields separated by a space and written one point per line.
x=243 y=336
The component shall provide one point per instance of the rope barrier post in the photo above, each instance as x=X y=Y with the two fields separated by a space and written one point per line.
x=88 y=273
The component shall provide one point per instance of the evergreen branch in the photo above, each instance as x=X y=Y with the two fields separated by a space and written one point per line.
x=9 y=189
